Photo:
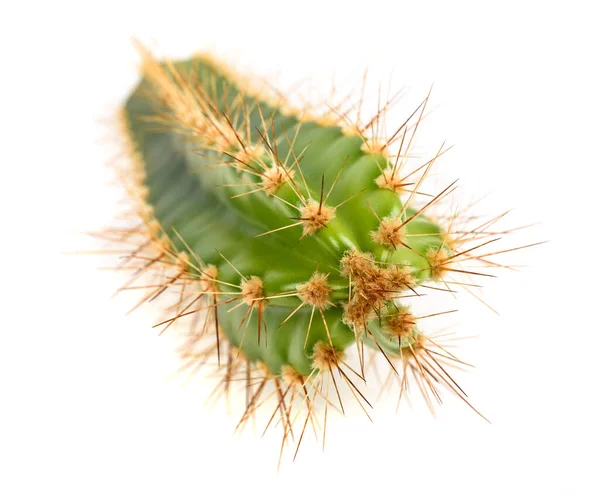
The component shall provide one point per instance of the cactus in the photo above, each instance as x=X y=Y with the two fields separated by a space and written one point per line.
x=288 y=237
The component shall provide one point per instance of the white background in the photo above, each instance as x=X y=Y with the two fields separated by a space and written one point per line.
x=90 y=402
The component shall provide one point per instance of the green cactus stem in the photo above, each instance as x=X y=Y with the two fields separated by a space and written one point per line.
x=296 y=235
x=293 y=217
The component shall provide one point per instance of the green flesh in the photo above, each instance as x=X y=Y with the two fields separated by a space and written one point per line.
x=188 y=198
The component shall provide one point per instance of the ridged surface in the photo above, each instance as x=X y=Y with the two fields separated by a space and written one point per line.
x=190 y=196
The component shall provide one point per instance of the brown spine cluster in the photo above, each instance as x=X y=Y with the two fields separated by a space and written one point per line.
x=371 y=286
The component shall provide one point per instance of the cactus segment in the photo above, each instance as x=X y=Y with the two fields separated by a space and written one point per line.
x=272 y=199
x=290 y=237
